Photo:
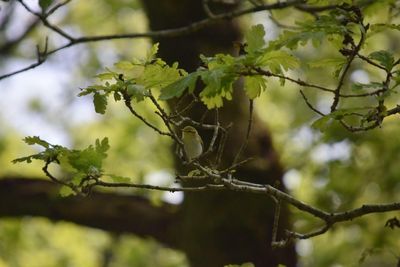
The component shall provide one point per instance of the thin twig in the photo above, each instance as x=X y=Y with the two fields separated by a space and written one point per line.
x=168 y=33
x=351 y=56
x=206 y=9
x=164 y=117
x=246 y=140
x=137 y=115
x=310 y=105
x=275 y=225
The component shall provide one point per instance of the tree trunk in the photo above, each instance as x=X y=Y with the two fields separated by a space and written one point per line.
x=212 y=228
x=218 y=228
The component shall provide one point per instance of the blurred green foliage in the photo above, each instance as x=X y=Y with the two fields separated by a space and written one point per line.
x=365 y=170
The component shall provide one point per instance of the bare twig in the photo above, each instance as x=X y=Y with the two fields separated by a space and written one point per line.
x=310 y=105
x=168 y=33
x=41 y=57
x=230 y=183
x=43 y=18
x=206 y=9
x=127 y=100
x=246 y=140
x=352 y=53
x=275 y=225
x=164 y=117
x=299 y=82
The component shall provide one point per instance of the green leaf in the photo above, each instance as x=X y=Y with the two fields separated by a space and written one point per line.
x=136 y=71
x=384 y=58
x=35 y=140
x=152 y=52
x=77 y=178
x=255 y=38
x=100 y=103
x=124 y=65
x=327 y=62
x=277 y=59
x=177 y=88
x=44 y=4
x=322 y=123
x=27 y=159
x=105 y=76
x=213 y=102
x=137 y=91
x=89 y=158
x=117 y=96
x=218 y=83
x=102 y=146
x=361 y=86
x=254 y=85
x=66 y=191
x=156 y=76
x=336 y=63
x=119 y=179
x=314 y=30
x=382 y=26
x=396 y=78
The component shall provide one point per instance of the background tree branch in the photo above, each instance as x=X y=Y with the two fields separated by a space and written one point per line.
x=112 y=212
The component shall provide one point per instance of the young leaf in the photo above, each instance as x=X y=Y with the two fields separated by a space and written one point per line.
x=177 y=88
x=219 y=83
x=255 y=39
x=27 y=159
x=66 y=191
x=254 y=85
x=137 y=91
x=322 y=123
x=35 y=140
x=327 y=62
x=100 y=103
x=384 y=58
x=277 y=59
x=124 y=65
x=157 y=76
x=152 y=52
x=372 y=85
x=105 y=76
x=44 y=4
x=102 y=147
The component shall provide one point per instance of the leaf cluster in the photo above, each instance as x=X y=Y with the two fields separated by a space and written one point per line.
x=134 y=79
x=83 y=165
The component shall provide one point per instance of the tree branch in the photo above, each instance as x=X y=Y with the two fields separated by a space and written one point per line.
x=169 y=33
x=106 y=211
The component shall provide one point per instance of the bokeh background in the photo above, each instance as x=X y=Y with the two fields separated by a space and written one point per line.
x=335 y=170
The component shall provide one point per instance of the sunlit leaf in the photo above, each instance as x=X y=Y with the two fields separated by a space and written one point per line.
x=177 y=88
x=152 y=52
x=277 y=59
x=66 y=191
x=254 y=38
x=385 y=58
x=254 y=85
x=137 y=91
x=124 y=65
x=105 y=76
